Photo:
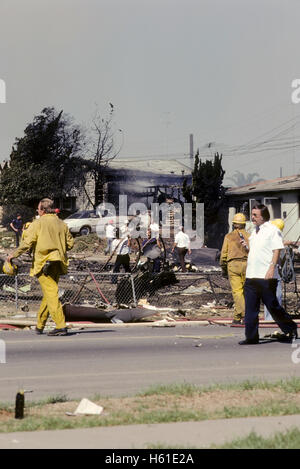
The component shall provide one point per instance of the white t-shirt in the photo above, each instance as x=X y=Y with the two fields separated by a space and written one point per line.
x=121 y=245
x=110 y=231
x=182 y=240
x=154 y=230
x=262 y=244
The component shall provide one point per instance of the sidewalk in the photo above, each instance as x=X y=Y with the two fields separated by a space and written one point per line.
x=183 y=434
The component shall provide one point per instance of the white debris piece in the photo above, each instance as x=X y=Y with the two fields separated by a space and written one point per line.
x=165 y=323
x=86 y=407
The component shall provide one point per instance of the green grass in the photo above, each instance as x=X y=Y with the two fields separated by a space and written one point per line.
x=281 y=440
x=289 y=439
x=291 y=385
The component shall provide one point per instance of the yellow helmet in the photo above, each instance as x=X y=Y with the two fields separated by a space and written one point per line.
x=9 y=268
x=278 y=223
x=239 y=218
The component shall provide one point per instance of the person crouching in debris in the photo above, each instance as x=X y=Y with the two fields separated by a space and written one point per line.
x=121 y=247
x=182 y=243
x=233 y=261
x=151 y=248
x=50 y=239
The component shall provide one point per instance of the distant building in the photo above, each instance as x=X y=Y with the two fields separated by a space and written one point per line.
x=145 y=181
x=281 y=196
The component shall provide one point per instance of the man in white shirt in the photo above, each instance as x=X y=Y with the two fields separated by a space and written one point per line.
x=121 y=247
x=110 y=236
x=182 y=243
x=265 y=244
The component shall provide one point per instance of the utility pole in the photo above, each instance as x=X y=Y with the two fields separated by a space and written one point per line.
x=192 y=150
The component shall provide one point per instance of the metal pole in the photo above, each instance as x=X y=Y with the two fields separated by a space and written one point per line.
x=133 y=290
x=16 y=296
x=192 y=150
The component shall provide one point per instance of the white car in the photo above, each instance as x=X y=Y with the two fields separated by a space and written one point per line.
x=83 y=222
x=90 y=221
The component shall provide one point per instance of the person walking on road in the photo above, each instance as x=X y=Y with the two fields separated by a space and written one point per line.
x=50 y=239
x=265 y=244
x=233 y=261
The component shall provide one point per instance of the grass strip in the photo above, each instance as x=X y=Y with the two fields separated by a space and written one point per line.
x=162 y=404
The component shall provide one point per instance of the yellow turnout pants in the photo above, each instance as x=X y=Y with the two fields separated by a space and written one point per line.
x=237 y=276
x=50 y=304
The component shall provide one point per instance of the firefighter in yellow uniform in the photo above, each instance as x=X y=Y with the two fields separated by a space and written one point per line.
x=50 y=239
x=233 y=261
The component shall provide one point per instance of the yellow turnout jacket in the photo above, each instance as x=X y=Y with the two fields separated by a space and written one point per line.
x=232 y=248
x=50 y=239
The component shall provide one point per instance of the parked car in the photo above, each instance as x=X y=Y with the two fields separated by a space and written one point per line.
x=90 y=221
x=83 y=222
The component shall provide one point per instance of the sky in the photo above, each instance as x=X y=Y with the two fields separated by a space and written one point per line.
x=221 y=70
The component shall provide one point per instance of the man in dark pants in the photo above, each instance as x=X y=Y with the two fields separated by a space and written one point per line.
x=121 y=247
x=265 y=244
x=16 y=225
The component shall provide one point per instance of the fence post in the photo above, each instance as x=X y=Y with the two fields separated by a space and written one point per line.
x=16 y=295
x=133 y=291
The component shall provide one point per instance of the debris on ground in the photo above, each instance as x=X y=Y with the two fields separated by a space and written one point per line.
x=167 y=322
x=86 y=407
x=87 y=313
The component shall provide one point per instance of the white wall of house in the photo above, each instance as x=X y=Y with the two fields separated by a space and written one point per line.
x=288 y=203
x=290 y=215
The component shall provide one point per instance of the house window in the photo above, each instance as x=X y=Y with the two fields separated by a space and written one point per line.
x=68 y=203
x=274 y=206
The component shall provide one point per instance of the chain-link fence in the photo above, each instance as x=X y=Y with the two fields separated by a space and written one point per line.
x=98 y=290
x=89 y=288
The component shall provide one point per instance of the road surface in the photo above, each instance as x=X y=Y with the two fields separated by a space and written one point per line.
x=123 y=360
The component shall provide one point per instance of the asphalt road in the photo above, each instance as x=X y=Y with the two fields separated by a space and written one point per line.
x=117 y=360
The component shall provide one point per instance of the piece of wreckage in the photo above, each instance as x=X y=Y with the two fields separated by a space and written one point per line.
x=143 y=283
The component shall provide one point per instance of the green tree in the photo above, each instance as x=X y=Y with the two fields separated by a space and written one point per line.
x=207 y=188
x=44 y=162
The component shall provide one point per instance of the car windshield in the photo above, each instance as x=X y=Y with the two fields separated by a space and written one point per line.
x=84 y=214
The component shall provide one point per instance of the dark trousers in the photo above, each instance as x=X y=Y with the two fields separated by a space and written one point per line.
x=181 y=254
x=18 y=236
x=257 y=290
x=122 y=260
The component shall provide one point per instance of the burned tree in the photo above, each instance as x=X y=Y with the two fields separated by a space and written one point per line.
x=102 y=150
